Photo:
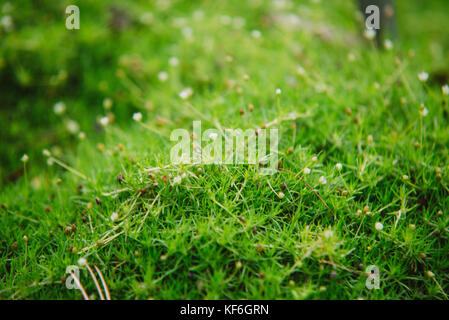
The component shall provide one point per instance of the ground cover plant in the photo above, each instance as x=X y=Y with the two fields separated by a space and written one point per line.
x=86 y=174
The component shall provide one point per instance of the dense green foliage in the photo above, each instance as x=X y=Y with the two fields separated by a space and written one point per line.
x=223 y=231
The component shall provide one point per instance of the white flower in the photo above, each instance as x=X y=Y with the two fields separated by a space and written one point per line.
x=6 y=22
x=300 y=70
x=239 y=22
x=328 y=234
x=147 y=18
x=278 y=91
x=423 y=76
x=82 y=261
x=369 y=34
x=137 y=116
x=423 y=110
x=187 y=32
x=351 y=57
x=186 y=93
x=445 y=89
x=162 y=76
x=306 y=171
x=81 y=135
x=322 y=180
x=198 y=14
x=225 y=19
x=50 y=161
x=25 y=158
x=72 y=126
x=379 y=226
x=59 y=108
x=104 y=121
x=114 y=216
x=107 y=103
x=46 y=153
x=173 y=61
x=213 y=135
x=339 y=166
x=314 y=159
x=256 y=34
x=281 y=195
x=177 y=180
x=388 y=44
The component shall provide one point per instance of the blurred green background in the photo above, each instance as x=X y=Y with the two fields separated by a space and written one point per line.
x=42 y=63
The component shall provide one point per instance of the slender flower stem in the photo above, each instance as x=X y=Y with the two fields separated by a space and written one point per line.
x=95 y=281
x=62 y=164
x=105 y=286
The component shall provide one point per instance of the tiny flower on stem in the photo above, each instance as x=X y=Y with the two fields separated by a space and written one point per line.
x=114 y=216
x=177 y=180
x=256 y=34
x=82 y=261
x=173 y=61
x=137 y=116
x=369 y=34
x=379 y=226
x=162 y=76
x=300 y=70
x=186 y=93
x=388 y=44
x=72 y=126
x=107 y=103
x=445 y=89
x=46 y=153
x=423 y=110
x=59 y=108
x=423 y=76
x=104 y=121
